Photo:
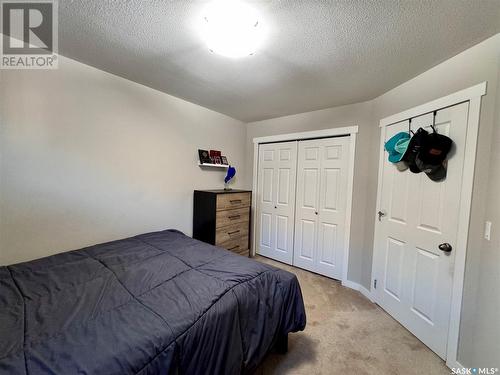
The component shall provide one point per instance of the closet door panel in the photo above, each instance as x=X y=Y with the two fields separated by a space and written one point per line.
x=284 y=181
x=276 y=200
x=265 y=200
x=320 y=207
x=332 y=206
x=265 y=230
x=267 y=185
x=282 y=233
x=307 y=240
x=331 y=181
x=284 y=207
x=310 y=187
x=306 y=223
x=327 y=241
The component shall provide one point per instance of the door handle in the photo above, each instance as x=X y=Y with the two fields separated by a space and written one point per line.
x=381 y=214
x=446 y=247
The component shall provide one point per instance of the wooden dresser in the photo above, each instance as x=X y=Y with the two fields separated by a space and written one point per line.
x=222 y=218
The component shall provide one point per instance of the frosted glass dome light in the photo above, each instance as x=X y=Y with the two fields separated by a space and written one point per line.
x=231 y=28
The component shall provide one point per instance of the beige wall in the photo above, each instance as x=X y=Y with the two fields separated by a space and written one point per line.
x=88 y=157
x=481 y=296
x=485 y=322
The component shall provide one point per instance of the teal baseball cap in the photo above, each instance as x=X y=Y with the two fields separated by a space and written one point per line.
x=402 y=146
x=397 y=145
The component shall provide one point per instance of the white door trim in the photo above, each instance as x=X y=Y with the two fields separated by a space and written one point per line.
x=473 y=96
x=334 y=132
x=446 y=101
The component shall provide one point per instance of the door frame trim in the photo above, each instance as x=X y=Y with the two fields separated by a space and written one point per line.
x=473 y=96
x=349 y=131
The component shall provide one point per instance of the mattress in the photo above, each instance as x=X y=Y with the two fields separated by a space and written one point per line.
x=156 y=303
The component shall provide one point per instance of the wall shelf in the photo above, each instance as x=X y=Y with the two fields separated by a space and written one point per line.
x=224 y=166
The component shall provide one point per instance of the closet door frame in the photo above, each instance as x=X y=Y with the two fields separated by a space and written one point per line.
x=349 y=131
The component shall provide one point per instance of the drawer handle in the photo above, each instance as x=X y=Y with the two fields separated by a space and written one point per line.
x=233 y=232
x=234 y=217
x=235 y=201
x=234 y=247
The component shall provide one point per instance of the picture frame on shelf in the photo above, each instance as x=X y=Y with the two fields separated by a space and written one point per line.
x=224 y=160
x=214 y=153
x=204 y=157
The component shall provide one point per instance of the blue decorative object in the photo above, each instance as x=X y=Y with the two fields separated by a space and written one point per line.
x=231 y=172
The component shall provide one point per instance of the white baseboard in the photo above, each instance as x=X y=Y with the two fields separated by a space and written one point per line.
x=367 y=293
x=350 y=284
x=454 y=364
x=360 y=288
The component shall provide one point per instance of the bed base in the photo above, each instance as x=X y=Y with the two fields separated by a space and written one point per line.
x=281 y=346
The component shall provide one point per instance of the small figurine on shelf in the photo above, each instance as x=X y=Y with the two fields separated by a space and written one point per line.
x=231 y=172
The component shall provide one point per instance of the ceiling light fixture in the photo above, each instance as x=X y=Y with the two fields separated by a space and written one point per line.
x=231 y=28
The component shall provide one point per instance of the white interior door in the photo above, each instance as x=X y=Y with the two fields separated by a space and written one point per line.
x=321 y=205
x=413 y=276
x=276 y=200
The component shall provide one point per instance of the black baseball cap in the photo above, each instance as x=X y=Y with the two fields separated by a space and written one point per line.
x=413 y=149
x=434 y=172
x=434 y=149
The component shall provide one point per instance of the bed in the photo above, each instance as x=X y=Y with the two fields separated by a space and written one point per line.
x=157 y=303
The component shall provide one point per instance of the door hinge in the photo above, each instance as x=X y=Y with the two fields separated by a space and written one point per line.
x=374 y=283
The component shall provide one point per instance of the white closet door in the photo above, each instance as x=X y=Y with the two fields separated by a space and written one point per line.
x=321 y=205
x=276 y=200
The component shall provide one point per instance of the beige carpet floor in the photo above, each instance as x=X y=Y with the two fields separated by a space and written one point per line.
x=347 y=334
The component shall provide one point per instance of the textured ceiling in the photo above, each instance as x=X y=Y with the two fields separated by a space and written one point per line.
x=318 y=54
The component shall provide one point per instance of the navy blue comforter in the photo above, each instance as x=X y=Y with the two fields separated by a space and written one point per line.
x=157 y=303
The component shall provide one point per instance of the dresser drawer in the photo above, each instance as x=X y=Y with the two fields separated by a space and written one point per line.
x=220 y=216
x=228 y=217
x=231 y=232
x=232 y=200
x=239 y=245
